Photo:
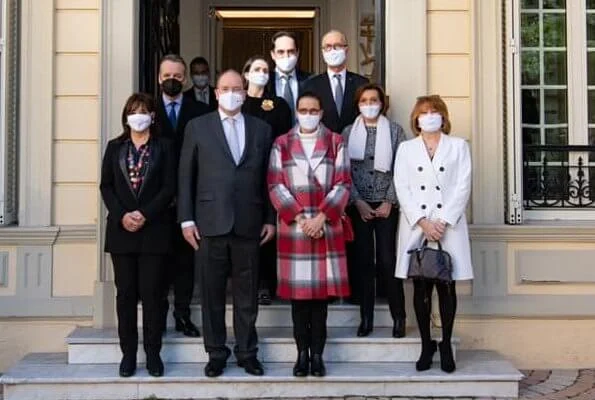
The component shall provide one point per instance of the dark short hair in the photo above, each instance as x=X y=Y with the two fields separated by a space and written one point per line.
x=280 y=34
x=311 y=95
x=199 y=60
x=173 y=58
x=132 y=103
x=371 y=86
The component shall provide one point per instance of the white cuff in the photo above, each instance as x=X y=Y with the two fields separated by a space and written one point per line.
x=187 y=224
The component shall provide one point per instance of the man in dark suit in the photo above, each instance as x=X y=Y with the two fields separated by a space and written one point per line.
x=225 y=214
x=286 y=80
x=201 y=90
x=336 y=87
x=173 y=113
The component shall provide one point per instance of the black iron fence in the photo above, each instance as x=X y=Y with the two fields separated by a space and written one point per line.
x=558 y=176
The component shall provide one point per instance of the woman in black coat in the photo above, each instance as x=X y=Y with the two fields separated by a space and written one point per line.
x=137 y=185
x=275 y=111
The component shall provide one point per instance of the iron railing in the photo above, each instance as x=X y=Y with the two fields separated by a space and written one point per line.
x=557 y=176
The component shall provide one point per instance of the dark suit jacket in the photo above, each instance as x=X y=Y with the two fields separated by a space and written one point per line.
x=188 y=111
x=302 y=76
x=212 y=106
x=156 y=194
x=229 y=197
x=321 y=85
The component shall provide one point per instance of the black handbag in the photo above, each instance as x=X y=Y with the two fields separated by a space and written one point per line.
x=428 y=263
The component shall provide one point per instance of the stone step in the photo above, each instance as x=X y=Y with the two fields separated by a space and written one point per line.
x=100 y=346
x=279 y=314
x=45 y=376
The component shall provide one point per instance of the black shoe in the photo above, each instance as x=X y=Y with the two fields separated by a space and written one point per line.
x=365 y=328
x=447 y=361
x=399 y=328
x=302 y=364
x=425 y=359
x=264 y=297
x=154 y=365
x=252 y=366
x=317 y=367
x=214 y=368
x=128 y=365
x=185 y=325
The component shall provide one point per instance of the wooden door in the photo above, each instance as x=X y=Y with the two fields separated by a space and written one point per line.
x=244 y=38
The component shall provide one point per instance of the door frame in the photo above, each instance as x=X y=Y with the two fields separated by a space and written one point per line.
x=209 y=23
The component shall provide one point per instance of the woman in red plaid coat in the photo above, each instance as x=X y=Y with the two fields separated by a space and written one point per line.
x=309 y=181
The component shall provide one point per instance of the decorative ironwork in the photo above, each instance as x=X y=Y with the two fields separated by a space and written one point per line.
x=159 y=35
x=558 y=176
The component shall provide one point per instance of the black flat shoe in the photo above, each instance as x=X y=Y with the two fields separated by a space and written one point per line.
x=155 y=365
x=264 y=297
x=317 y=367
x=425 y=359
x=185 y=325
x=365 y=328
x=252 y=366
x=302 y=364
x=399 y=328
x=214 y=368
x=127 y=365
x=447 y=361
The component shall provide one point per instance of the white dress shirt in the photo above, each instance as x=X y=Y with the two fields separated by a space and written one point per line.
x=331 y=78
x=280 y=83
x=240 y=129
x=240 y=126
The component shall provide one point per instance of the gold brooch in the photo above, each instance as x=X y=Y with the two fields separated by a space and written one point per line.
x=267 y=105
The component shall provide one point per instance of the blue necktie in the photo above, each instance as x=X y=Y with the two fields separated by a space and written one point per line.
x=173 y=118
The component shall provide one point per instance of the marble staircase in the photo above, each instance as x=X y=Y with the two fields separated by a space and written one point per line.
x=378 y=365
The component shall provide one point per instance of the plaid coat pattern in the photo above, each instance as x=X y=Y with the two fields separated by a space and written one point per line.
x=310 y=268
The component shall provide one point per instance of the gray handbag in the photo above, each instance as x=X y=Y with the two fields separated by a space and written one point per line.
x=428 y=263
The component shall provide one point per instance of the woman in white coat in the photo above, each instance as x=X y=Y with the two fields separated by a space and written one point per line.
x=433 y=183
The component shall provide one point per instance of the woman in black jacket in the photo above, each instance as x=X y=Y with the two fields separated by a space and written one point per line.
x=137 y=185
x=274 y=111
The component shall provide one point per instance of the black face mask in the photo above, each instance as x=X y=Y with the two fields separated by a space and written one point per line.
x=171 y=87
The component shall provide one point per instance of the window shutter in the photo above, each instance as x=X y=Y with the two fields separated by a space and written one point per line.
x=9 y=112
x=513 y=156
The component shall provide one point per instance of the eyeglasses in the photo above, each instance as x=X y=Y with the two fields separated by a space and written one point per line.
x=336 y=46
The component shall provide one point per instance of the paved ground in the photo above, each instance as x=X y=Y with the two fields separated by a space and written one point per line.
x=537 y=385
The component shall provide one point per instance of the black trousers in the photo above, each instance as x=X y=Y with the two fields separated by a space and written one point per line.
x=375 y=254
x=422 y=304
x=180 y=275
x=309 y=324
x=219 y=258
x=267 y=274
x=139 y=276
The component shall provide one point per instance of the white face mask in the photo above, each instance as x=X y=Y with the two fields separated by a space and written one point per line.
x=231 y=101
x=308 y=122
x=287 y=64
x=139 y=122
x=258 y=78
x=370 y=111
x=430 y=122
x=200 y=81
x=334 y=58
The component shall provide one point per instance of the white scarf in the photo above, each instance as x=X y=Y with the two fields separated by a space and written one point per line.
x=383 y=151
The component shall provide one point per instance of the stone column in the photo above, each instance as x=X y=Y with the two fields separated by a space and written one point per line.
x=119 y=79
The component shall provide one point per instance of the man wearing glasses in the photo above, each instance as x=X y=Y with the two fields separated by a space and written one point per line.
x=286 y=79
x=336 y=87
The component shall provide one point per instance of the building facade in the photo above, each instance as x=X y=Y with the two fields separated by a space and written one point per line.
x=517 y=76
